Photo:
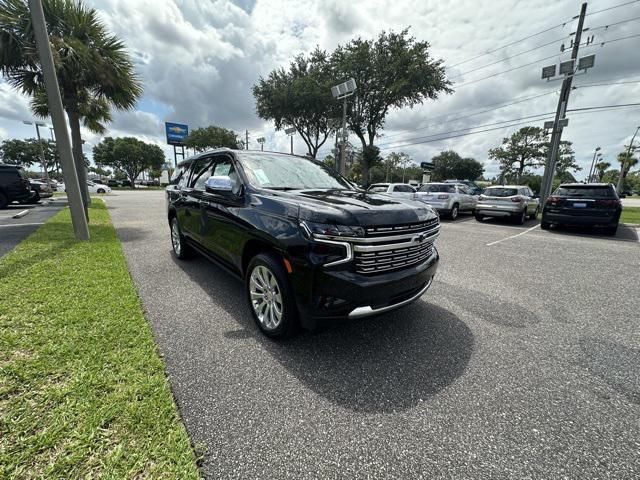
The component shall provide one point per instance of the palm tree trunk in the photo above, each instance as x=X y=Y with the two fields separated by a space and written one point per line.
x=76 y=143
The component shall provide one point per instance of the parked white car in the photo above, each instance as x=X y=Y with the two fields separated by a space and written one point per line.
x=92 y=186
x=448 y=198
x=402 y=190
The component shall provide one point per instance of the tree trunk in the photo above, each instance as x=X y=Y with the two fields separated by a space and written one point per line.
x=76 y=143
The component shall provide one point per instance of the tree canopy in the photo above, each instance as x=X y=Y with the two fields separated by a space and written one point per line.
x=523 y=149
x=392 y=71
x=28 y=152
x=128 y=155
x=205 y=138
x=450 y=165
x=300 y=97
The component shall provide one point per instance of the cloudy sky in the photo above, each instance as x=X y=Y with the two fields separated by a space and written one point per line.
x=199 y=58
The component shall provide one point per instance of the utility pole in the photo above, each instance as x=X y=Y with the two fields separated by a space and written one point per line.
x=556 y=135
x=623 y=165
x=78 y=218
x=246 y=136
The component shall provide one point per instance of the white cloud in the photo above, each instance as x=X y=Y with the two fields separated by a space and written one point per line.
x=199 y=59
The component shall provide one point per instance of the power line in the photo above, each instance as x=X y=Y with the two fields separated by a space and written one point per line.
x=511 y=43
x=583 y=85
x=502 y=105
x=508 y=58
x=526 y=119
x=612 y=8
x=506 y=71
x=618 y=39
x=611 y=24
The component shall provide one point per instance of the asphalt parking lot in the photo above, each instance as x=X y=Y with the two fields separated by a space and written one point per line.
x=15 y=230
x=522 y=361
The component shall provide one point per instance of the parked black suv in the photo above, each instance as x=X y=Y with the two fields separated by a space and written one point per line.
x=14 y=185
x=589 y=204
x=308 y=246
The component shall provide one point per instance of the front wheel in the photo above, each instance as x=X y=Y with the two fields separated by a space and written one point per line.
x=101 y=190
x=270 y=296
x=4 y=201
x=479 y=217
x=34 y=199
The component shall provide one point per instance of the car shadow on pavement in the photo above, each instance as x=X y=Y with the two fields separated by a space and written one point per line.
x=624 y=233
x=388 y=363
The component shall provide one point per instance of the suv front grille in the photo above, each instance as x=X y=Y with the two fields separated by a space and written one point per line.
x=395 y=247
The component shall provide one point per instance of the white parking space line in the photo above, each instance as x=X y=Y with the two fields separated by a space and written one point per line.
x=513 y=236
x=21 y=224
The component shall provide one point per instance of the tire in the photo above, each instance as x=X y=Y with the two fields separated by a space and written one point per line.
x=545 y=225
x=479 y=217
x=534 y=215
x=455 y=210
x=101 y=190
x=520 y=219
x=611 y=230
x=34 y=199
x=178 y=244
x=4 y=201
x=267 y=286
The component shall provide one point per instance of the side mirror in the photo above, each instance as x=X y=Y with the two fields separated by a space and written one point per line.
x=219 y=184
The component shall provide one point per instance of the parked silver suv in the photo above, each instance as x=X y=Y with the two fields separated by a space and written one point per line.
x=515 y=201
x=447 y=198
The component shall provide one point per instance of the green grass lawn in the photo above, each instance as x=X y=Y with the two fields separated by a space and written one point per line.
x=83 y=392
x=630 y=215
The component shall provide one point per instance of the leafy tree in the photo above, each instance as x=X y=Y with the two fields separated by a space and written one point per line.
x=450 y=165
x=525 y=148
x=155 y=173
x=29 y=152
x=98 y=170
x=128 y=155
x=392 y=71
x=330 y=160
x=626 y=160
x=204 y=138
x=94 y=71
x=601 y=168
x=300 y=97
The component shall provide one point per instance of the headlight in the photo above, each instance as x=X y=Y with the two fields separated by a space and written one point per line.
x=329 y=230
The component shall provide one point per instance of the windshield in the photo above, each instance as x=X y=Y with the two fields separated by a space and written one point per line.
x=501 y=192
x=289 y=172
x=586 y=192
x=378 y=188
x=438 y=188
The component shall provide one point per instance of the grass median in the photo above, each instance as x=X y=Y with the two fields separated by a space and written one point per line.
x=83 y=393
x=630 y=215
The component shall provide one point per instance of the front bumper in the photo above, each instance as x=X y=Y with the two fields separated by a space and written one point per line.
x=338 y=295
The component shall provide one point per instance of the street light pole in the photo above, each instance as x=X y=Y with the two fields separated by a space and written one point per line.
x=623 y=167
x=593 y=162
x=76 y=206
x=341 y=92
x=43 y=160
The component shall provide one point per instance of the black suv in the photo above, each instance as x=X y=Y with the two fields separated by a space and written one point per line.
x=588 y=204
x=309 y=247
x=14 y=185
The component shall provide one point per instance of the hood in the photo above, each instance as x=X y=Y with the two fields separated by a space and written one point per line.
x=350 y=207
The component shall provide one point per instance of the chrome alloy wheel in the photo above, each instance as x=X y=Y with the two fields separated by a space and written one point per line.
x=175 y=237
x=266 y=297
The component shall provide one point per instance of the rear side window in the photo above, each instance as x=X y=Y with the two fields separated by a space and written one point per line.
x=501 y=192
x=588 y=191
x=403 y=188
x=378 y=189
x=438 y=188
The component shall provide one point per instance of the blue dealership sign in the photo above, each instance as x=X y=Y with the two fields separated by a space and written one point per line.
x=176 y=133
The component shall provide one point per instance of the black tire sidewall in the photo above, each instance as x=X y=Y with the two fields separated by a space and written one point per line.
x=455 y=209
x=4 y=201
x=289 y=322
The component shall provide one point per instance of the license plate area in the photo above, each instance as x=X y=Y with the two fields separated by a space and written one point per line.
x=579 y=205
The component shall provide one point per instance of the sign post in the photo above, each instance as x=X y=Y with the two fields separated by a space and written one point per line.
x=176 y=133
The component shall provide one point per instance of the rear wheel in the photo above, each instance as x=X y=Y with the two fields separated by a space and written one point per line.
x=101 y=190
x=611 y=230
x=545 y=225
x=478 y=217
x=34 y=199
x=534 y=214
x=455 y=210
x=522 y=217
x=270 y=296
x=4 y=201
x=180 y=247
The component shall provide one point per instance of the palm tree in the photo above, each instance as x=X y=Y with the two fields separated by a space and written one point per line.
x=627 y=160
x=601 y=167
x=94 y=71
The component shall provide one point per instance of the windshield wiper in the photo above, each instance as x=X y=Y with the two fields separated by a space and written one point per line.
x=284 y=189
